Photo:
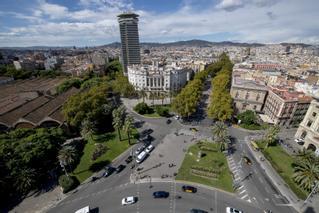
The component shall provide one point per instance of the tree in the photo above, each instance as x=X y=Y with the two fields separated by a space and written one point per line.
x=143 y=94
x=128 y=126
x=248 y=117
x=87 y=128
x=118 y=119
x=143 y=108
x=67 y=156
x=220 y=132
x=306 y=173
x=25 y=179
x=271 y=135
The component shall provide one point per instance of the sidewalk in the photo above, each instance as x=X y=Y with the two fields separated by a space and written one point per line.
x=280 y=184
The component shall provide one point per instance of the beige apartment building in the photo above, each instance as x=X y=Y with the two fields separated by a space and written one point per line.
x=286 y=107
x=248 y=94
x=309 y=128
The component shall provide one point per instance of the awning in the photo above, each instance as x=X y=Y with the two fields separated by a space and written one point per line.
x=266 y=119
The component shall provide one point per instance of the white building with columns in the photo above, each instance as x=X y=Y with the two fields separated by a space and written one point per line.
x=153 y=78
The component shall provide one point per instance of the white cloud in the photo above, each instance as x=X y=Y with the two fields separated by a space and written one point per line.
x=254 y=21
x=230 y=5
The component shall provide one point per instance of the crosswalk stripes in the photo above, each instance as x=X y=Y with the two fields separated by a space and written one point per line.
x=241 y=190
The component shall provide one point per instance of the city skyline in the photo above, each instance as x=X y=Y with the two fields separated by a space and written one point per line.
x=94 y=22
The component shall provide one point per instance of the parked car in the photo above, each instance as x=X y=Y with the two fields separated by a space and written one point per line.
x=84 y=210
x=190 y=189
x=149 y=148
x=299 y=141
x=160 y=194
x=139 y=150
x=177 y=117
x=233 y=210
x=168 y=121
x=141 y=157
x=146 y=132
x=129 y=200
x=197 y=211
x=247 y=160
x=119 y=168
x=129 y=159
x=108 y=171
x=193 y=129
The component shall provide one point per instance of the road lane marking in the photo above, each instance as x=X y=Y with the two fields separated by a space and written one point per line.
x=242 y=191
x=242 y=186
x=243 y=197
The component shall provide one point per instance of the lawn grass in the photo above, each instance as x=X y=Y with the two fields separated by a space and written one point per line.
x=224 y=181
x=254 y=126
x=155 y=114
x=282 y=162
x=87 y=166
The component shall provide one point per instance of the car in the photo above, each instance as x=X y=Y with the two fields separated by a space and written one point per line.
x=85 y=209
x=299 y=141
x=190 y=189
x=193 y=129
x=129 y=159
x=247 y=160
x=168 y=121
x=139 y=150
x=146 y=132
x=129 y=200
x=160 y=194
x=119 y=168
x=141 y=157
x=108 y=171
x=233 y=210
x=177 y=117
x=267 y=211
x=149 y=148
x=197 y=211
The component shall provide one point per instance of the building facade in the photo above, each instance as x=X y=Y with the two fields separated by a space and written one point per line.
x=309 y=128
x=130 y=53
x=286 y=108
x=248 y=95
x=157 y=79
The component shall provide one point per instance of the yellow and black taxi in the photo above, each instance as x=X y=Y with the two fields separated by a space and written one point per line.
x=189 y=189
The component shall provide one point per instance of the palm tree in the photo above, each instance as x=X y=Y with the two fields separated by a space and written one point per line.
x=25 y=179
x=162 y=96
x=118 y=119
x=143 y=94
x=128 y=126
x=220 y=131
x=271 y=135
x=305 y=154
x=87 y=128
x=306 y=174
x=67 y=156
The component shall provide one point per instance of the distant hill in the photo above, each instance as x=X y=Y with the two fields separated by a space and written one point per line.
x=189 y=43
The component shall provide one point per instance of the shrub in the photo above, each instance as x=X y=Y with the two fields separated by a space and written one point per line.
x=99 y=150
x=248 y=117
x=162 y=111
x=68 y=183
x=143 y=108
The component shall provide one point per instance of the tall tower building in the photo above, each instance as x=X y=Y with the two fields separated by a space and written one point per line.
x=129 y=39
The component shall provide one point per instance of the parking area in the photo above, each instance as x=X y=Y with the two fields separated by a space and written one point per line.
x=165 y=160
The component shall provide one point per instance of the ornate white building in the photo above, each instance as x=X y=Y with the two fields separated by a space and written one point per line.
x=153 y=78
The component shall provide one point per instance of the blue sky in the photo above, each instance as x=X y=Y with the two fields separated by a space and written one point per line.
x=93 y=22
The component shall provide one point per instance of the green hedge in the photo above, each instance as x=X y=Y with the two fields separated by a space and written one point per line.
x=68 y=183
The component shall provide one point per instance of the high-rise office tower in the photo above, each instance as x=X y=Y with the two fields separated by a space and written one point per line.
x=129 y=39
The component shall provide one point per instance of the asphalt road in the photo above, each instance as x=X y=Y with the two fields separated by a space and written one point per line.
x=109 y=200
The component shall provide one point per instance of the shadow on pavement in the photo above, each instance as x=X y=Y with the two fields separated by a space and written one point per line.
x=309 y=210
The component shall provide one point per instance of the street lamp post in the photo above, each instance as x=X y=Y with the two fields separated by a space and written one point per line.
x=150 y=181
x=312 y=191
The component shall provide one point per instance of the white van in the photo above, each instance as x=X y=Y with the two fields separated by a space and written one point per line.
x=84 y=210
x=141 y=157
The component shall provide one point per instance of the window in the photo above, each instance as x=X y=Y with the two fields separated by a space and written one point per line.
x=314 y=114
x=309 y=123
x=247 y=95
x=257 y=97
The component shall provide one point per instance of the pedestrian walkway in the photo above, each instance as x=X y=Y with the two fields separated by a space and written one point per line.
x=276 y=179
x=241 y=189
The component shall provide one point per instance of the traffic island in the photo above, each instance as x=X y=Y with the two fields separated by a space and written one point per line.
x=205 y=164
